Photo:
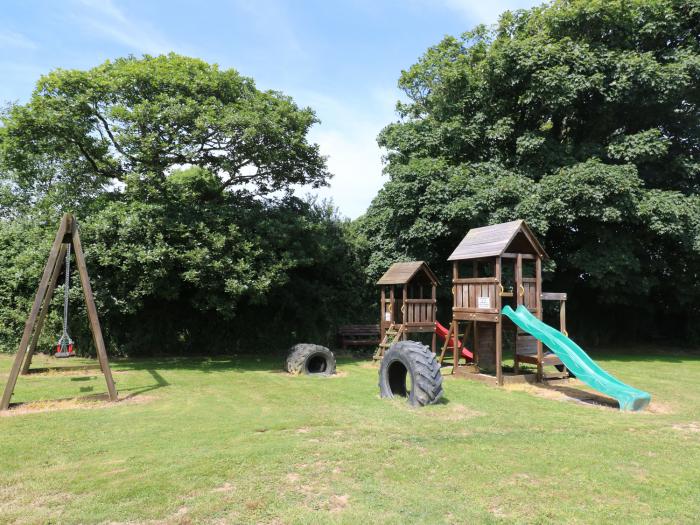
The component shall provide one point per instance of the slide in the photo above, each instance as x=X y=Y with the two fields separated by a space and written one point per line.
x=578 y=361
x=441 y=332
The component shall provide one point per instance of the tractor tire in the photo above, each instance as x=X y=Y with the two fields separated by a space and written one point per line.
x=310 y=359
x=410 y=359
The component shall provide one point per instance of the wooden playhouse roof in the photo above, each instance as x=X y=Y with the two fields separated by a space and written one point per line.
x=403 y=272
x=491 y=241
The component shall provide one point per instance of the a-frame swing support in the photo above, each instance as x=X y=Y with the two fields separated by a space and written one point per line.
x=67 y=234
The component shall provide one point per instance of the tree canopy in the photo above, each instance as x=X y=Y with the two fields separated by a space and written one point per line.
x=580 y=116
x=83 y=132
x=180 y=175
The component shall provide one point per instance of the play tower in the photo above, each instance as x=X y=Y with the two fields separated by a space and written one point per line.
x=407 y=304
x=493 y=264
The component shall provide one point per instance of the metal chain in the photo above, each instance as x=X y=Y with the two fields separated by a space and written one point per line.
x=66 y=289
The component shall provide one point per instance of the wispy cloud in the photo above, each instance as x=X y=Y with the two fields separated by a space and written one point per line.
x=105 y=18
x=16 y=40
x=487 y=11
x=271 y=18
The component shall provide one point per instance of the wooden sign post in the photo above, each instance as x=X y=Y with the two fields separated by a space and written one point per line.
x=67 y=234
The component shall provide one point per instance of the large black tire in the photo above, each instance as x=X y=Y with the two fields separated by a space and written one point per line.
x=410 y=359
x=310 y=360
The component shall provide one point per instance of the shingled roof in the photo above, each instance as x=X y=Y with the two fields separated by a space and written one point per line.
x=403 y=272
x=491 y=241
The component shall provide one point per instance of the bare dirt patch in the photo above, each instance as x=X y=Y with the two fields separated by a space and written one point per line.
x=572 y=391
x=454 y=412
x=74 y=403
x=688 y=428
x=226 y=487
x=339 y=503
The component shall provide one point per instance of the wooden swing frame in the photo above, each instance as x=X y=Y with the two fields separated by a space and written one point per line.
x=68 y=233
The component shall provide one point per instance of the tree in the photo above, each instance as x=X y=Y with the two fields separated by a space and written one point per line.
x=84 y=132
x=180 y=175
x=580 y=117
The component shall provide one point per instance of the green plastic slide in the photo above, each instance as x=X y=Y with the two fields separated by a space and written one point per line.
x=578 y=361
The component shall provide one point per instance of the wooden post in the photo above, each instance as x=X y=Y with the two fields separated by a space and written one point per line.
x=392 y=305
x=562 y=317
x=382 y=314
x=518 y=301
x=538 y=303
x=519 y=279
x=92 y=315
x=499 y=346
x=433 y=296
x=45 y=309
x=404 y=305
x=455 y=351
x=454 y=326
x=66 y=223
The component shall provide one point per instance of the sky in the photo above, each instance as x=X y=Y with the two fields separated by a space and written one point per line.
x=343 y=58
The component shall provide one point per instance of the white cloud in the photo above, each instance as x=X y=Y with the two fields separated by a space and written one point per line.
x=348 y=138
x=16 y=40
x=104 y=18
x=487 y=11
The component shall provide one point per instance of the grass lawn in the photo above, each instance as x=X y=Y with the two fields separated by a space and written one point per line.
x=236 y=440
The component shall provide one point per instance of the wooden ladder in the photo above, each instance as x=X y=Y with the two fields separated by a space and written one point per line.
x=448 y=344
x=392 y=335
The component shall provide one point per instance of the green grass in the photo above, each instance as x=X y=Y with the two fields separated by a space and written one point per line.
x=235 y=440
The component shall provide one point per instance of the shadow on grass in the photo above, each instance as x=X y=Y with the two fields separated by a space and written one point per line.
x=160 y=382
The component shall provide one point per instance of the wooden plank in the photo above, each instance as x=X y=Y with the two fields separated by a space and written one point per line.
x=553 y=296
x=66 y=223
x=472 y=316
x=528 y=256
x=476 y=280
x=92 y=315
x=476 y=310
x=45 y=309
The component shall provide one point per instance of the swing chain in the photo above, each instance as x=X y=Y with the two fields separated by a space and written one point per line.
x=64 y=347
x=66 y=289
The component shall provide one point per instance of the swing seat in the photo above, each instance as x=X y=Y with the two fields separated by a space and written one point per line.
x=68 y=352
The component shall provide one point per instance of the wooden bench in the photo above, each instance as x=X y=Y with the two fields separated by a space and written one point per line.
x=358 y=335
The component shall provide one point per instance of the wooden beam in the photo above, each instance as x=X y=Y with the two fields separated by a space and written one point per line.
x=528 y=256
x=66 y=223
x=553 y=296
x=92 y=315
x=45 y=309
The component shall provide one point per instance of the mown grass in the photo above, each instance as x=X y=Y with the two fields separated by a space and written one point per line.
x=235 y=440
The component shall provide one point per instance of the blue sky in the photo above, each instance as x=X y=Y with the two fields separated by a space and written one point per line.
x=342 y=58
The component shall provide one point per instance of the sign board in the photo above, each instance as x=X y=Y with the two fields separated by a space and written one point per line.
x=387 y=316
x=483 y=302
